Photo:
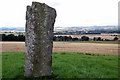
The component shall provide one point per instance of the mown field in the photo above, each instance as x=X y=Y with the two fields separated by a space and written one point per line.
x=102 y=47
x=65 y=65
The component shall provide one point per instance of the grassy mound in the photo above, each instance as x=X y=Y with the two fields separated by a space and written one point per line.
x=65 y=65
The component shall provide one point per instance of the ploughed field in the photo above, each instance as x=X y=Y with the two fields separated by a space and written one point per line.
x=66 y=47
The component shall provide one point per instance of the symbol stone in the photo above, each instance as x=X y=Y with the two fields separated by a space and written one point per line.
x=40 y=19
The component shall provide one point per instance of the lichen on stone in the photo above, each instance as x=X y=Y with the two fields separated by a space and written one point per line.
x=40 y=20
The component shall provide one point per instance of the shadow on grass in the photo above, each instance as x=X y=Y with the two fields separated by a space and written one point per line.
x=52 y=77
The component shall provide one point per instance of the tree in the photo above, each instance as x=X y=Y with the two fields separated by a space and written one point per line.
x=54 y=38
x=94 y=39
x=115 y=38
x=97 y=39
x=75 y=39
x=21 y=38
x=69 y=38
x=10 y=37
x=2 y=37
x=85 y=38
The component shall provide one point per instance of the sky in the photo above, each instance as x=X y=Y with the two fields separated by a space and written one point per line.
x=69 y=12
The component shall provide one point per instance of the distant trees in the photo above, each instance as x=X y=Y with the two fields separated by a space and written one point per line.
x=64 y=38
x=100 y=39
x=21 y=38
x=12 y=37
x=97 y=39
x=85 y=38
x=69 y=38
x=115 y=39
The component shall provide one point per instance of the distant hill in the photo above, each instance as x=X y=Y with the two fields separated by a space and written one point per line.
x=12 y=28
x=105 y=27
x=86 y=28
x=74 y=28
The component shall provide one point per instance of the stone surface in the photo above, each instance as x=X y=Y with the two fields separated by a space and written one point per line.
x=40 y=19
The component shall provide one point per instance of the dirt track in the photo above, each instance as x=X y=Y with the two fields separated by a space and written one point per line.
x=66 y=47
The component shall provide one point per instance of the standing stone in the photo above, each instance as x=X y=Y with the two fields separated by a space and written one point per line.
x=40 y=19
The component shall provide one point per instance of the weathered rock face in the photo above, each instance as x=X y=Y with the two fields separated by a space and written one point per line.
x=40 y=20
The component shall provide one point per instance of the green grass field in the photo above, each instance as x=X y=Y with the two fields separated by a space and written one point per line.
x=65 y=65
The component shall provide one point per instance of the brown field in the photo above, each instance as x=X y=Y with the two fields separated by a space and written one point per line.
x=66 y=47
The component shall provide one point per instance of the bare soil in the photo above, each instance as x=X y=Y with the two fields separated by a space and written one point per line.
x=66 y=47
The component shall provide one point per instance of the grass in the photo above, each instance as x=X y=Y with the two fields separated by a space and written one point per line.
x=65 y=65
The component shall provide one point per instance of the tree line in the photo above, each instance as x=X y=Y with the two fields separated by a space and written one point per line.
x=83 y=38
x=12 y=37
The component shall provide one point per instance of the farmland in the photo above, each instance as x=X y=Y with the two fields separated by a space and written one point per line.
x=103 y=48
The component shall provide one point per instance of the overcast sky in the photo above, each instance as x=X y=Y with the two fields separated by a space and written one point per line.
x=69 y=12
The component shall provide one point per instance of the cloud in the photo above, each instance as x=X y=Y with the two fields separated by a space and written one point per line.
x=69 y=13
